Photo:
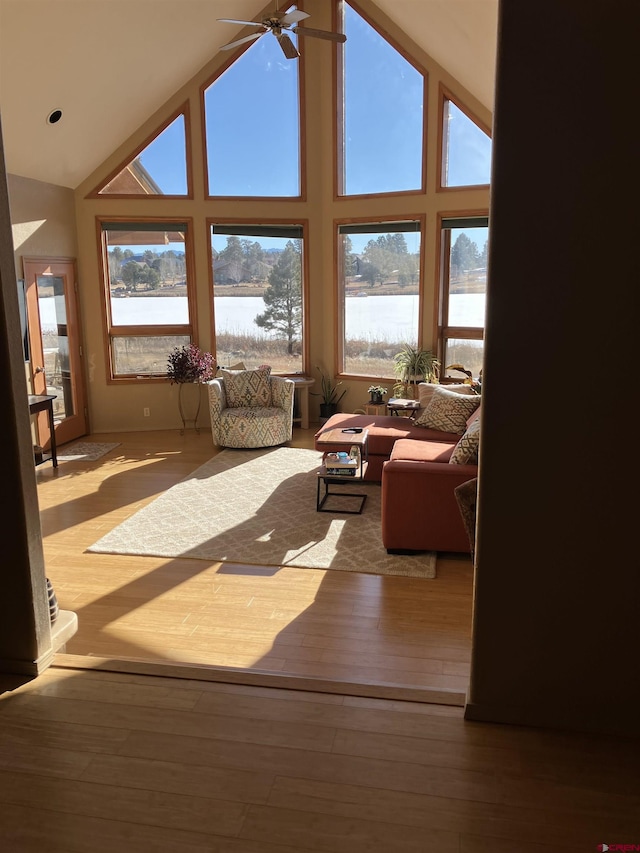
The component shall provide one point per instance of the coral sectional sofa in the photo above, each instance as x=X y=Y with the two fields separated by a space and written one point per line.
x=420 y=462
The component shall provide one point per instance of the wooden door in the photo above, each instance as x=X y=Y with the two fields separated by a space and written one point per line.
x=56 y=361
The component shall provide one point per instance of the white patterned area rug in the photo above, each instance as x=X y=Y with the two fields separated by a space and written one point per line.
x=85 y=451
x=259 y=507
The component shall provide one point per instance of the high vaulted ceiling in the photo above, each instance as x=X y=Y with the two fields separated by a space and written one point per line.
x=98 y=61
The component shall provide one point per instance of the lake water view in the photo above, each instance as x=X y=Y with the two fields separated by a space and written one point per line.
x=371 y=318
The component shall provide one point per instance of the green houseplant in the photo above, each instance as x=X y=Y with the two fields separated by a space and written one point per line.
x=329 y=393
x=376 y=393
x=413 y=365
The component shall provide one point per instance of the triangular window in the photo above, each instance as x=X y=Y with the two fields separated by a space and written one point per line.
x=466 y=149
x=159 y=168
x=252 y=125
x=383 y=104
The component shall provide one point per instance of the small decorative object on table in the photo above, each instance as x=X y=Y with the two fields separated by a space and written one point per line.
x=188 y=365
x=376 y=393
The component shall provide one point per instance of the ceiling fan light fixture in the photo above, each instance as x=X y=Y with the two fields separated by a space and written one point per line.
x=276 y=24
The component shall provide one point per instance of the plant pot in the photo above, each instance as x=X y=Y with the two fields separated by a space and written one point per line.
x=326 y=410
x=376 y=399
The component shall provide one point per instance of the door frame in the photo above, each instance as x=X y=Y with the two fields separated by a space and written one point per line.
x=75 y=425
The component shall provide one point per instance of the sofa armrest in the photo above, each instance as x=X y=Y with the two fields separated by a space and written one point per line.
x=419 y=507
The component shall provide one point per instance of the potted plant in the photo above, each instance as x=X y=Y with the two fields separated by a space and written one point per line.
x=330 y=396
x=188 y=365
x=413 y=365
x=376 y=392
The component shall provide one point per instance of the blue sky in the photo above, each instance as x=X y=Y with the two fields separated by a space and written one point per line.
x=252 y=124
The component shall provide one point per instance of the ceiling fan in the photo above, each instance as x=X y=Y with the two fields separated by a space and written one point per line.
x=276 y=24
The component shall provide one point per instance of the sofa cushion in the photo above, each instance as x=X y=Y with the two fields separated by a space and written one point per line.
x=466 y=450
x=448 y=411
x=385 y=430
x=409 y=450
x=247 y=388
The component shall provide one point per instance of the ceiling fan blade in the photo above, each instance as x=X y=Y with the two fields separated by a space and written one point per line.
x=321 y=34
x=288 y=47
x=242 y=40
x=234 y=21
x=293 y=18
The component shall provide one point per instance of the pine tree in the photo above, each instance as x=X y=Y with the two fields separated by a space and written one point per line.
x=283 y=297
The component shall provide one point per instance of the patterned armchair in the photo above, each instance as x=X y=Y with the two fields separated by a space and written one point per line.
x=250 y=408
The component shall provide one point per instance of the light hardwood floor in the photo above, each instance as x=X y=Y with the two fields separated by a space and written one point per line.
x=400 y=634
x=104 y=761
x=97 y=762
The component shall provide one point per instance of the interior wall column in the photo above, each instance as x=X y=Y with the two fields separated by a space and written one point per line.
x=557 y=586
x=25 y=626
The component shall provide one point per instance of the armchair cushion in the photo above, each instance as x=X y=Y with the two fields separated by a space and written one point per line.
x=251 y=426
x=247 y=389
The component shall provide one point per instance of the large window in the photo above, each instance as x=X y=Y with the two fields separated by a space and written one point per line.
x=379 y=283
x=252 y=125
x=150 y=305
x=466 y=149
x=258 y=295
x=160 y=168
x=383 y=101
x=464 y=291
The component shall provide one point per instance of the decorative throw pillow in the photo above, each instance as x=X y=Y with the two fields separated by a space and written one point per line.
x=426 y=389
x=246 y=389
x=448 y=411
x=466 y=450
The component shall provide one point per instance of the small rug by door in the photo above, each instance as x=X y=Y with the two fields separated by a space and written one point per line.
x=259 y=507
x=85 y=451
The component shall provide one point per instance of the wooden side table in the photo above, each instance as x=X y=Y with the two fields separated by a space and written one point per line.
x=42 y=403
x=375 y=408
x=331 y=440
x=302 y=383
x=396 y=405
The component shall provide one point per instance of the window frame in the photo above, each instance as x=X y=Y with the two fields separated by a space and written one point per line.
x=302 y=138
x=445 y=94
x=339 y=293
x=263 y=223
x=339 y=106
x=445 y=332
x=114 y=331
x=184 y=111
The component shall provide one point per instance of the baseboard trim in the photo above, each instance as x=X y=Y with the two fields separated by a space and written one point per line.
x=590 y=719
x=261 y=678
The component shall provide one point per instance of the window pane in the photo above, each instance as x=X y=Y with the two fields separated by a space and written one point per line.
x=161 y=169
x=466 y=150
x=257 y=297
x=147 y=275
x=140 y=356
x=468 y=277
x=252 y=125
x=381 y=282
x=52 y=309
x=383 y=113
x=464 y=352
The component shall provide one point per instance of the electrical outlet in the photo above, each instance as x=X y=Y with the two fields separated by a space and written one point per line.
x=146 y=412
